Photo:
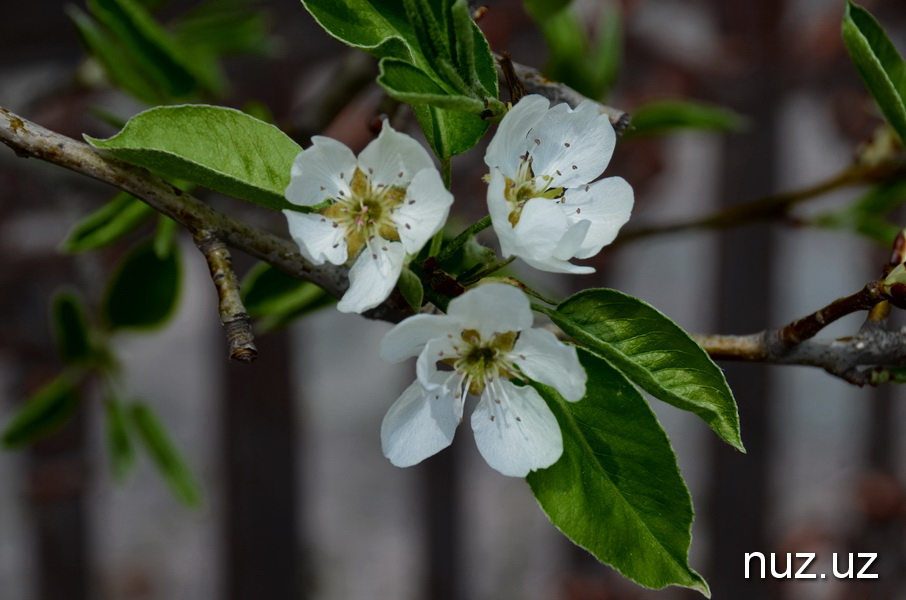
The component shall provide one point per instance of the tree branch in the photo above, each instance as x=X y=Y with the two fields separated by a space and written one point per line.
x=235 y=320
x=536 y=83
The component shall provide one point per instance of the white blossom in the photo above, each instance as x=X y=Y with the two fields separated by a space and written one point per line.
x=543 y=204
x=487 y=338
x=381 y=206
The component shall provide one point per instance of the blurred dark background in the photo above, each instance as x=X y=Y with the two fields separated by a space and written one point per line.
x=299 y=501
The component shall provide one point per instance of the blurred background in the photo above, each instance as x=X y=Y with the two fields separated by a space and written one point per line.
x=298 y=500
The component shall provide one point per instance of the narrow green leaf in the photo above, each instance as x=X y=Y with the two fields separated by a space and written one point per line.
x=275 y=299
x=542 y=10
x=71 y=328
x=604 y=56
x=663 y=116
x=118 y=67
x=47 y=410
x=878 y=62
x=169 y=461
x=144 y=291
x=158 y=55
x=616 y=490
x=220 y=148
x=108 y=225
x=224 y=28
x=411 y=288
x=119 y=443
x=868 y=216
x=652 y=351
x=165 y=237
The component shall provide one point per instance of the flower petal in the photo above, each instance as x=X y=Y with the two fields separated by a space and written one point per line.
x=518 y=434
x=607 y=204
x=499 y=209
x=420 y=424
x=572 y=240
x=409 y=337
x=492 y=308
x=512 y=137
x=541 y=226
x=424 y=210
x=315 y=174
x=394 y=158
x=373 y=275
x=318 y=238
x=426 y=366
x=578 y=143
x=543 y=358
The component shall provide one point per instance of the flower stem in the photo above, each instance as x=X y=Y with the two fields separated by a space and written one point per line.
x=457 y=242
x=487 y=270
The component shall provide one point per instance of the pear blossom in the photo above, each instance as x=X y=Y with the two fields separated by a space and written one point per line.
x=373 y=210
x=544 y=204
x=488 y=340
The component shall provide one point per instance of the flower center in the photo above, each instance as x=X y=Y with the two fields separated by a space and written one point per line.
x=481 y=361
x=526 y=186
x=366 y=212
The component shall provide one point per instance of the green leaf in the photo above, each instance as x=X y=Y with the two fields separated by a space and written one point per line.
x=868 y=216
x=878 y=62
x=409 y=84
x=652 y=351
x=107 y=225
x=71 y=328
x=144 y=290
x=604 y=56
x=276 y=299
x=119 y=444
x=541 y=10
x=161 y=58
x=616 y=490
x=386 y=29
x=663 y=116
x=118 y=67
x=411 y=288
x=220 y=148
x=169 y=461
x=165 y=237
x=47 y=410
x=223 y=27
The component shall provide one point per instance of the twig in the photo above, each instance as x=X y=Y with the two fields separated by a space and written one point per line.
x=534 y=82
x=27 y=139
x=235 y=320
x=769 y=208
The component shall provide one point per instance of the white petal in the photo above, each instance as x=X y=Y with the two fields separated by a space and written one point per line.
x=373 y=276
x=540 y=234
x=607 y=204
x=424 y=210
x=512 y=137
x=555 y=265
x=492 y=308
x=572 y=240
x=578 y=143
x=523 y=435
x=410 y=336
x=426 y=366
x=499 y=210
x=545 y=359
x=316 y=172
x=391 y=154
x=318 y=240
x=541 y=226
x=420 y=424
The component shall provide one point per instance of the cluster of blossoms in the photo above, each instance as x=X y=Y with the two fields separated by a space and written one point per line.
x=377 y=210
